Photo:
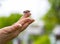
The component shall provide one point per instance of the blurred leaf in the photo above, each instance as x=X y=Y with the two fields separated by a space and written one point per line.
x=42 y=40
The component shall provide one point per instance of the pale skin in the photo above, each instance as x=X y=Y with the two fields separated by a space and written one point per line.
x=10 y=32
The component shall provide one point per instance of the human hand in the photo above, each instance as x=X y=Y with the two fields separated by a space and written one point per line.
x=10 y=32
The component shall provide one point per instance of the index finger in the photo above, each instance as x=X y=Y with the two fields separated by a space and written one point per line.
x=26 y=14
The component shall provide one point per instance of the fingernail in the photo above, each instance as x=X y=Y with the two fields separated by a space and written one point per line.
x=26 y=11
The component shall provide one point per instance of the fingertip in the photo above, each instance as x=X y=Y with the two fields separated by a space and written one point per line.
x=26 y=13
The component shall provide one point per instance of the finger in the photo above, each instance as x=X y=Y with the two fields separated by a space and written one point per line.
x=16 y=33
x=25 y=26
x=26 y=14
x=23 y=21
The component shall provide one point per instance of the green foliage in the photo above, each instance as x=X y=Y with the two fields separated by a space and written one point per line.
x=42 y=40
x=50 y=20
x=34 y=37
x=3 y=21
x=53 y=16
x=7 y=21
x=54 y=2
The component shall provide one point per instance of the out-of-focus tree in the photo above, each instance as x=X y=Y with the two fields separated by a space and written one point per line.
x=53 y=15
x=7 y=21
x=51 y=19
